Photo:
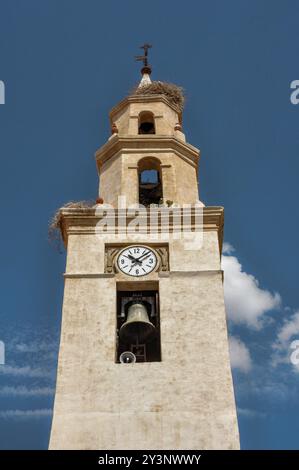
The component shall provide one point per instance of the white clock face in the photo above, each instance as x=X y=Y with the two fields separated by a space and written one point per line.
x=137 y=261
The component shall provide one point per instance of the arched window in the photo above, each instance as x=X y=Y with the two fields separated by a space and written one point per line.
x=146 y=123
x=150 y=181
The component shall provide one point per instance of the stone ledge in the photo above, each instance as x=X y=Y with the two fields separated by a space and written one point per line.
x=88 y=275
x=190 y=273
x=146 y=143
x=142 y=99
x=75 y=221
x=161 y=274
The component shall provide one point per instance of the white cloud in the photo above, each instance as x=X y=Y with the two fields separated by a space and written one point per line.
x=227 y=248
x=239 y=355
x=25 y=391
x=25 y=371
x=245 y=301
x=35 y=347
x=289 y=330
x=25 y=414
x=250 y=413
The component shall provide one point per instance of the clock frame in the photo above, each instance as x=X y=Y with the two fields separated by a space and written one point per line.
x=147 y=260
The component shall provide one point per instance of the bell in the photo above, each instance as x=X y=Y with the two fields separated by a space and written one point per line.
x=137 y=329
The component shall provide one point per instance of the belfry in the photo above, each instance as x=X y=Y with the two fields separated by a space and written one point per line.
x=143 y=359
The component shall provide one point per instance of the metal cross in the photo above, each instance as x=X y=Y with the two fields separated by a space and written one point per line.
x=143 y=58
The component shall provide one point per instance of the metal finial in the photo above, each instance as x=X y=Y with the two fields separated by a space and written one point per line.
x=144 y=58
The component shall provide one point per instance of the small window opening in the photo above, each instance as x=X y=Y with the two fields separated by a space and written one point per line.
x=150 y=184
x=146 y=123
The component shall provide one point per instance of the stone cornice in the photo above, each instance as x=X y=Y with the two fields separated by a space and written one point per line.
x=83 y=221
x=146 y=144
x=190 y=273
x=161 y=274
x=142 y=99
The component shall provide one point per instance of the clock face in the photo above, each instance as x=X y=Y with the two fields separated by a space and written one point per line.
x=137 y=261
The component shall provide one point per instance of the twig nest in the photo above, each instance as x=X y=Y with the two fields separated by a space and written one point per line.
x=174 y=93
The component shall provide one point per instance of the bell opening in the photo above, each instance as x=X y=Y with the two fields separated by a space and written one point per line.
x=138 y=326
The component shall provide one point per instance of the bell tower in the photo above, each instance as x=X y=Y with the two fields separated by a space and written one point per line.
x=143 y=359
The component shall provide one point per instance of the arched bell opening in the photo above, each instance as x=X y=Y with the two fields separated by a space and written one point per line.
x=146 y=123
x=138 y=325
x=150 y=181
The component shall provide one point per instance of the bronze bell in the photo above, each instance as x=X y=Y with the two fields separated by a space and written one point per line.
x=137 y=329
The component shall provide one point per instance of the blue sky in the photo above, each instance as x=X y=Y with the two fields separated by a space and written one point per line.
x=65 y=64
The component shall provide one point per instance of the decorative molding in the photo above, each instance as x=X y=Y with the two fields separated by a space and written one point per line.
x=192 y=273
x=110 y=255
x=87 y=275
x=146 y=144
x=75 y=221
x=163 y=273
x=136 y=116
x=142 y=99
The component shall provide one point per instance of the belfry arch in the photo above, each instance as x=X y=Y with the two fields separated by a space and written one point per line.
x=150 y=189
x=146 y=123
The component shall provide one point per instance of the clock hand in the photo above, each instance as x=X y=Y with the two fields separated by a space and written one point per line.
x=137 y=262
x=134 y=260
x=145 y=257
x=144 y=254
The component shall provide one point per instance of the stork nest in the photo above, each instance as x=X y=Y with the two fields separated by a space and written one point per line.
x=173 y=93
x=55 y=225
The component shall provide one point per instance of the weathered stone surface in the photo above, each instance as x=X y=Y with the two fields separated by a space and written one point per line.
x=184 y=401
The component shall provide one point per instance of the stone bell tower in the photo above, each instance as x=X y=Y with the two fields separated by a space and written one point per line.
x=143 y=359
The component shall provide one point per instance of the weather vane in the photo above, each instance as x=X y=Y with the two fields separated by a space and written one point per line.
x=144 y=58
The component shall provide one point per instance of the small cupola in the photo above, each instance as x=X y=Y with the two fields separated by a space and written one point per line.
x=146 y=158
x=152 y=107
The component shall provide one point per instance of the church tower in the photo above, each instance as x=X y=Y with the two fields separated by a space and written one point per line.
x=143 y=359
